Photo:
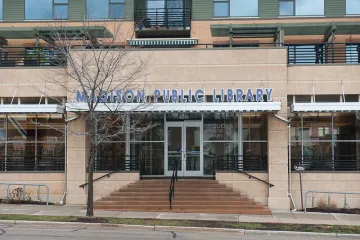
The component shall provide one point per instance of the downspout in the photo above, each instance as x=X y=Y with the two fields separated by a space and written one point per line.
x=288 y=121
x=63 y=199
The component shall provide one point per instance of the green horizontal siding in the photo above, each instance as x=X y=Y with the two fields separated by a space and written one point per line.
x=14 y=10
x=77 y=9
x=335 y=8
x=129 y=9
x=202 y=9
x=268 y=8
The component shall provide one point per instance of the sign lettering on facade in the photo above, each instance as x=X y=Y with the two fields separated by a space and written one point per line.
x=177 y=96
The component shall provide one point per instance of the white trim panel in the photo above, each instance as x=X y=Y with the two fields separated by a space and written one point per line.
x=31 y=108
x=179 y=107
x=326 y=107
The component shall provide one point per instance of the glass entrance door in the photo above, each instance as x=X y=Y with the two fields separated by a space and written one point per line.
x=184 y=146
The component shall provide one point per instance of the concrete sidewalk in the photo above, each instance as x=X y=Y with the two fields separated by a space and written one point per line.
x=276 y=217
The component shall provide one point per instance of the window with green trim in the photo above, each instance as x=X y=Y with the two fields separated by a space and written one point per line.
x=301 y=7
x=50 y=9
x=352 y=7
x=103 y=9
x=1 y=9
x=236 y=8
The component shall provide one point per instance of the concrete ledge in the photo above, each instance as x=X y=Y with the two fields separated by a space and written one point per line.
x=289 y=233
x=192 y=229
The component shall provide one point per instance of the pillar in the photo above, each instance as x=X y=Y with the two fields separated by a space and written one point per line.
x=76 y=159
x=278 y=161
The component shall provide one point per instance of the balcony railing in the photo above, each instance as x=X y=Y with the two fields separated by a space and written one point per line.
x=327 y=53
x=163 y=18
x=32 y=163
x=30 y=57
x=242 y=163
x=327 y=163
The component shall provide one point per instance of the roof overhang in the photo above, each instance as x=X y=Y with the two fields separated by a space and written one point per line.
x=31 y=108
x=326 y=107
x=179 y=107
x=162 y=41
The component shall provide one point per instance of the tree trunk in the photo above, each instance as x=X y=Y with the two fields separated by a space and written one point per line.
x=90 y=193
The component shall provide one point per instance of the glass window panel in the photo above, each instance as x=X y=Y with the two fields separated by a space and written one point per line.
x=346 y=126
x=317 y=126
x=51 y=157
x=352 y=53
x=34 y=12
x=347 y=156
x=7 y=100
x=60 y=12
x=352 y=6
x=32 y=100
x=254 y=127
x=317 y=156
x=220 y=127
x=2 y=128
x=117 y=1
x=61 y=1
x=255 y=156
x=147 y=127
x=243 y=8
x=303 y=98
x=295 y=154
x=155 y=4
x=113 y=125
x=1 y=9
x=221 y=9
x=295 y=130
x=176 y=116
x=213 y=150
x=51 y=127
x=97 y=9
x=286 y=8
x=21 y=127
x=151 y=155
x=117 y=10
x=327 y=98
x=110 y=156
x=351 y=98
x=21 y=156
x=309 y=7
x=2 y=156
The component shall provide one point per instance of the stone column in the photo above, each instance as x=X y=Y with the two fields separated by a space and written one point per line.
x=278 y=161
x=77 y=155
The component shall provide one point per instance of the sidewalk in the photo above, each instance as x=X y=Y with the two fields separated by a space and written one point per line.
x=276 y=217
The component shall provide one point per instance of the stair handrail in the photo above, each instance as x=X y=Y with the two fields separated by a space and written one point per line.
x=115 y=171
x=251 y=176
x=174 y=178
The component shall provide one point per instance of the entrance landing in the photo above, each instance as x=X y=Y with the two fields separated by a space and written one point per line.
x=191 y=196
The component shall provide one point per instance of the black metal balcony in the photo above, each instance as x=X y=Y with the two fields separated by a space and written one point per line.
x=178 y=19
x=30 y=57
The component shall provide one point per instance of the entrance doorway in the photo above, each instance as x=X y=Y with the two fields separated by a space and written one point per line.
x=184 y=144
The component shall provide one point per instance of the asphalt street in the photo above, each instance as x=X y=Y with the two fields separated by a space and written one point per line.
x=28 y=232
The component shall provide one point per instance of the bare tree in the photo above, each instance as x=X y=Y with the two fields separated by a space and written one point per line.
x=98 y=70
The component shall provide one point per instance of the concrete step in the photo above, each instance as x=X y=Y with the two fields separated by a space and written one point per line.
x=177 y=197
x=140 y=190
x=178 y=203
x=177 y=193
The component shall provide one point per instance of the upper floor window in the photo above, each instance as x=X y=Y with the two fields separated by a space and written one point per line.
x=1 y=9
x=352 y=6
x=236 y=8
x=50 y=9
x=301 y=7
x=99 y=9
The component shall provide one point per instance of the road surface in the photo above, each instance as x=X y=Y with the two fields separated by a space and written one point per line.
x=28 y=232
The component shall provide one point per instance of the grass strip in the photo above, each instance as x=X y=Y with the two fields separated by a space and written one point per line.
x=193 y=223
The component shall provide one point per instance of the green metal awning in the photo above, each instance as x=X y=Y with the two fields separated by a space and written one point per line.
x=162 y=41
x=45 y=33
x=290 y=29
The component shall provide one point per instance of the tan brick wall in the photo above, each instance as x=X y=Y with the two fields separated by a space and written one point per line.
x=55 y=182
x=335 y=182
x=241 y=183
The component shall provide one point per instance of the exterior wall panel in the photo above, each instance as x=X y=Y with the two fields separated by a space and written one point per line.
x=202 y=9
x=268 y=8
x=77 y=10
x=335 y=8
x=14 y=10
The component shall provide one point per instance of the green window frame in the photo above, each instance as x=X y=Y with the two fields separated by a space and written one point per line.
x=222 y=6
x=117 y=6
x=55 y=4
x=296 y=4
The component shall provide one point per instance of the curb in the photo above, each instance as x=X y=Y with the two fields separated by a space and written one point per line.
x=179 y=228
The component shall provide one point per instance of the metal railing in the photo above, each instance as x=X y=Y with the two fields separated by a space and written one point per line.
x=32 y=163
x=110 y=163
x=23 y=190
x=30 y=57
x=324 y=53
x=174 y=178
x=163 y=18
x=327 y=163
x=328 y=193
x=241 y=164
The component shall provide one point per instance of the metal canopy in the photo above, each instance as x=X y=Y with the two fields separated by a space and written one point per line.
x=31 y=108
x=46 y=33
x=180 y=107
x=162 y=41
x=326 y=107
x=290 y=29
